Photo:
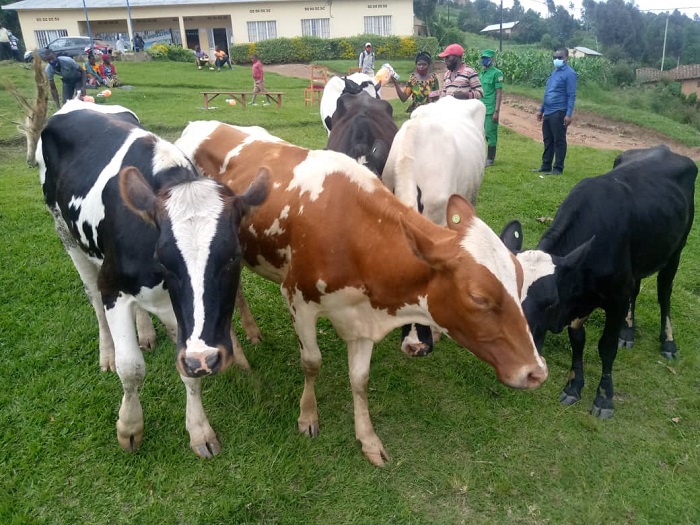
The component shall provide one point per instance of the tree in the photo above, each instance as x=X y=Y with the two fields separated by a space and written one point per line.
x=425 y=10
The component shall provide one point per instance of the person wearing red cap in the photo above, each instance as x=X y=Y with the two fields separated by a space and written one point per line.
x=461 y=80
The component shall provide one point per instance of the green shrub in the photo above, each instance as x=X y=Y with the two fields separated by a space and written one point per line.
x=311 y=49
x=172 y=52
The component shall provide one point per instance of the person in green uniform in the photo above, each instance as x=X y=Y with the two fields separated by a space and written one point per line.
x=492 y=82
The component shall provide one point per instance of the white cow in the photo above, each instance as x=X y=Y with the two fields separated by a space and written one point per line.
x=451 y=130
x=438 y=152
x=336 y=86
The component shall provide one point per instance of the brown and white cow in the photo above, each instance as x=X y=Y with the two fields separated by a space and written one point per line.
x=343 y=247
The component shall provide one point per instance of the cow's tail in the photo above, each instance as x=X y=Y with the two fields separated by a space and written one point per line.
x=36 y=113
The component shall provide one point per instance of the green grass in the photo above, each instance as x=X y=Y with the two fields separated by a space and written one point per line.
x=465 y=448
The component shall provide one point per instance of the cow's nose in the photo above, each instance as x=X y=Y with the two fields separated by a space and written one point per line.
x=202 y=364
x=536 y=376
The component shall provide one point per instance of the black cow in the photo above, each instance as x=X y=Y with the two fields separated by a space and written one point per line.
x=144 y=230
x=609 y=233
x=363 y=128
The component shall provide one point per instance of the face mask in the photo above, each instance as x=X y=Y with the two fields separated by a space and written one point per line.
x=486 y=62
x=558 y=62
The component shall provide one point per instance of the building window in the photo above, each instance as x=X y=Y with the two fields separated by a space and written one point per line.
x=44 y=38
x=265 y=30
x=320 y=27
x=378 y=25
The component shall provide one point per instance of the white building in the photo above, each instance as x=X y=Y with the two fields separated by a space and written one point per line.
x=210 y=22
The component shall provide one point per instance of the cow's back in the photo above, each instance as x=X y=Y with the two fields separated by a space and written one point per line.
x=439 y=151
x=639 y=213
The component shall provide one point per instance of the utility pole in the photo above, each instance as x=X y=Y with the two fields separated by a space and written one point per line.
x=500 y=38
x=663 y=53
x=88 y=23
x=130 y=29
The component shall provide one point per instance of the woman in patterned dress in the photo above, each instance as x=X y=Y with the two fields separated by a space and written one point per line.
x=423 y=86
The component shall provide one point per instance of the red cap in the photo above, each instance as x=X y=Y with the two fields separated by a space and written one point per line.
x=452 y=49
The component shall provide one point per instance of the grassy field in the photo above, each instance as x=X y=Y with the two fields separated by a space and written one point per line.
x=465 y=449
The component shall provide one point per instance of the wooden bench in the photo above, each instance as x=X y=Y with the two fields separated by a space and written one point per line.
x=240 y=97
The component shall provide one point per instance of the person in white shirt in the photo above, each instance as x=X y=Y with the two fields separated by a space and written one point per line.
x=366 y=61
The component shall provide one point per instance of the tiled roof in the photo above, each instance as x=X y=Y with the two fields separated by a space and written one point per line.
x=648 y=74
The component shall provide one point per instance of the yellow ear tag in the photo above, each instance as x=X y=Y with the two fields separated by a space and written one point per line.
x=456 y=218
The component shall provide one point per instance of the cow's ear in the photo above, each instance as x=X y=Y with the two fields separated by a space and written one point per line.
x=258 y=189
x=572 y=267
x=422 y=245
x=340 y=108
x=512 y=236
x=459 y=213
x=137 y=194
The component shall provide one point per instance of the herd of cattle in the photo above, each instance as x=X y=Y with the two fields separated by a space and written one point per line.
x=163 y=229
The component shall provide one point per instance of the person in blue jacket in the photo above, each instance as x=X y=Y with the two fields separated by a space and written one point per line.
x=556 y=113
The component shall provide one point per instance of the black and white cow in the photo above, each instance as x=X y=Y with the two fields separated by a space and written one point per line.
x=353 y=85
x=144 y=230
x=609 y=233
x=363 y=128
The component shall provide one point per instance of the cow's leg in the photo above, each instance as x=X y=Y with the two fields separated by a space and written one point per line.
x=359 y=356
x=626 y=339
x=131 y=368
x=577 y=337
x=305 y=326
x=416 y=340
x=603 y=405
x=664 y=287
x=252 y=332
x=239 y=358
x=88 y=274
x=145 y=330
x=203 y=440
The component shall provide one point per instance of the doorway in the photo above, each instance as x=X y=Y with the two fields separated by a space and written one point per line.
x=192 y=38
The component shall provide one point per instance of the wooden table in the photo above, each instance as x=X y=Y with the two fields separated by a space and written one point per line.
x=240 y=96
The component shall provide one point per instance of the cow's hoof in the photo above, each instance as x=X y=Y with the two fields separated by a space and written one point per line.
x=602 y=413
x=568 y=399
x=309 y=428
x=669 y=350
x=130 y=442
x=376 y=455
x=206 y=450
x=626 y=337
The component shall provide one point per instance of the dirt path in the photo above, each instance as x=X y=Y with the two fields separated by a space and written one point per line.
x=518 y=114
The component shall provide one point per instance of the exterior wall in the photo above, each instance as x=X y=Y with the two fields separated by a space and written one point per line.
x=346 y=18
x=691 y=85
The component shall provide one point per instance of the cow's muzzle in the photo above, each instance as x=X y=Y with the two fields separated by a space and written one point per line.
x=203 y=363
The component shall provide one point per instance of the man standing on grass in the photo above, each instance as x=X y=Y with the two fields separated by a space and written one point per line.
x=491 y=79
x=258 y=80
x=556 y=113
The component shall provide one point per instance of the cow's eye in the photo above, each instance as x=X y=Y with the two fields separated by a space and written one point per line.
x=479 y=300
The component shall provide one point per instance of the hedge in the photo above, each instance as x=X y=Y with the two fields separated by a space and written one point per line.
x=311 y=49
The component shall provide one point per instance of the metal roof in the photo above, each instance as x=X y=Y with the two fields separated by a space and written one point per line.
x=588 y=51
x=32 y=5
x=497 y=27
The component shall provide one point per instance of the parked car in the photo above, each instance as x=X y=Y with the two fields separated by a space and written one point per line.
x=72 y=46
